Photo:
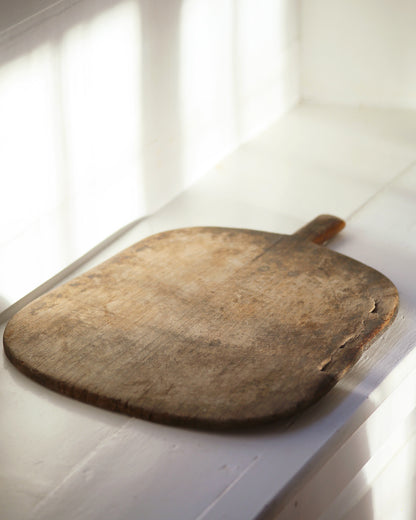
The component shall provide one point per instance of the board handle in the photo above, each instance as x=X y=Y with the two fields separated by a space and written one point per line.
x=320 y=229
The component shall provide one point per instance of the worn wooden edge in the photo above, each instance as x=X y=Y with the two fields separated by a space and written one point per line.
x=366 y=338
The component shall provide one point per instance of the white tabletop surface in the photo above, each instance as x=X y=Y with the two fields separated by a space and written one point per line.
x=63 y=459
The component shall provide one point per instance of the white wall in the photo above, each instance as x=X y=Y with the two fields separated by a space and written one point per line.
x=359 y=52
x=109 y=108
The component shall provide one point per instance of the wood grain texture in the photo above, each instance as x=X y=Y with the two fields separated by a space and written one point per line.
x=210 y=327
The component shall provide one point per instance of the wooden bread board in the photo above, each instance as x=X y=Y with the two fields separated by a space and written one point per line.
x=209 y=327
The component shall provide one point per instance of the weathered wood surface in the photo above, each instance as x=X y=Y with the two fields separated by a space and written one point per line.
x=210 y=327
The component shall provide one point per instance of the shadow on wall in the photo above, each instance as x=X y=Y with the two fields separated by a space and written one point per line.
x=110 y=109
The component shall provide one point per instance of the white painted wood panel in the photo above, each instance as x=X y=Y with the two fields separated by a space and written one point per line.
x=359 y=52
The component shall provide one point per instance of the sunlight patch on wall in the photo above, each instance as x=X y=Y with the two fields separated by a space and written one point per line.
x=69 y=139
x=99 y=72
x=206 y=83
x=266 y=56
x=239 y=73
x=28 y=160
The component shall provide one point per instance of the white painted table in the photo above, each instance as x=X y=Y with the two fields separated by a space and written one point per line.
x=353 y=455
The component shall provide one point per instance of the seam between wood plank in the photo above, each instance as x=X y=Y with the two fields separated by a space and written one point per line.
x=203 y=514
x=77 y=467
x=385 y=186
